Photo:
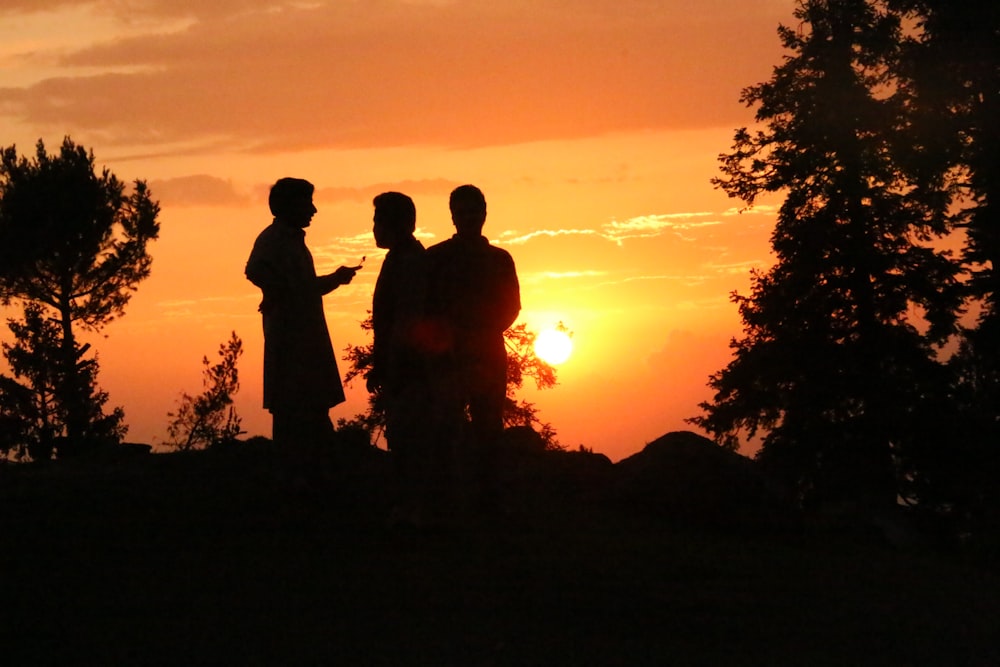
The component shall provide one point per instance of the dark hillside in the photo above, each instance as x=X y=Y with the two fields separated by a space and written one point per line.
x=214 y=558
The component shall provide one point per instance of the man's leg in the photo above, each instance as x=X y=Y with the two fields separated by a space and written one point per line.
x=304 y=436
x=486 y=422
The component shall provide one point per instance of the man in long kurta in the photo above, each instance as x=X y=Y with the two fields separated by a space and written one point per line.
x=301 y=378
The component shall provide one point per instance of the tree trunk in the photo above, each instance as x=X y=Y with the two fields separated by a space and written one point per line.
x=69 y=387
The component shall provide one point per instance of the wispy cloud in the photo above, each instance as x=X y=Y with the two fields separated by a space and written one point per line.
x=335 y=250
x=432 y=186
x=686 y=280
x=706 y=274
x=647 y=226
x=756 y=209
x=517 y=238
x=712 y=303
x=543 y=276
x=737 y=268
x=639 y=227
x=207 y=308
x=198 y=190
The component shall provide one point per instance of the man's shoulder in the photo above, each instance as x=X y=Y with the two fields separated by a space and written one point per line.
x=414 y=248
x=441 y=246
x=410 y=257
x=279 y=232
x=464 y=246
x=441 y=252
x=496 y=250
x=269 y=234
x=277 y=239
x=496 y=255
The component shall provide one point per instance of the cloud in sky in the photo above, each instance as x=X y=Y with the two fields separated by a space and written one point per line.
x=208 y=190
x=330 y=253
x=432 y=186
x=656 y=237
x=544 y=276
x=294 y=75
x=516 y=238
x=639 y=227
x=756 y=209
x=647 y=226
x=198 y=190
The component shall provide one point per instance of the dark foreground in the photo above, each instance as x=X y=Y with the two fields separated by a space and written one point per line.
x=215 y=559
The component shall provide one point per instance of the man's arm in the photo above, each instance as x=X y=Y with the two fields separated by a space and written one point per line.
x=509 y=294
x=262 y=268
x=332 y=281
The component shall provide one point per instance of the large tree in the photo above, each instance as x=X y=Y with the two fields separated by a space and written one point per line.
x=75 y=245
x=833 y=370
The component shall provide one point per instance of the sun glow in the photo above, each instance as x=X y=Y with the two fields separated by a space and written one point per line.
x=553 y=346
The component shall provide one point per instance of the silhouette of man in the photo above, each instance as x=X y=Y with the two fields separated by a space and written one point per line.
x=399 y=372
x=473 y=297
x=301 y=379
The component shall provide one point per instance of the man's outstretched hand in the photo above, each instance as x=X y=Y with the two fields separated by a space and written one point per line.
x=345 y=274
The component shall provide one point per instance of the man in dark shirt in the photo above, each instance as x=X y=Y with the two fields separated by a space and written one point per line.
x=399 y=376
x=473 y=297
x=398 y=301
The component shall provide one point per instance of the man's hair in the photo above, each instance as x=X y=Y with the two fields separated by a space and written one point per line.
x=397 y=210
x=285 y=192
x=468 y=194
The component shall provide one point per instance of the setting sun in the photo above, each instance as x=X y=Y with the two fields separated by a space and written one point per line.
x=553 y=346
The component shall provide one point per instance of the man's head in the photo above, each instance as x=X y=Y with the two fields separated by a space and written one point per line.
x=395 y=218
x=468 y=210
x=291 y=201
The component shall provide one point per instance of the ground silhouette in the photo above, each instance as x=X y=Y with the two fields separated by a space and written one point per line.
x=214 y=557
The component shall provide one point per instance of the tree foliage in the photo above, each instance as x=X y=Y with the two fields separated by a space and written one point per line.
x=73 y=243
x=210 y=418
x=832 y=369
x=33 y=418
x=951 y=70
x=522 y=363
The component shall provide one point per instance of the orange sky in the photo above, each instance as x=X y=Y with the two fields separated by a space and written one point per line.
x=592 y=126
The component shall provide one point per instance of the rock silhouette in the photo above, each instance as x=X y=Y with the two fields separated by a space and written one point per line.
x=684 y=477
